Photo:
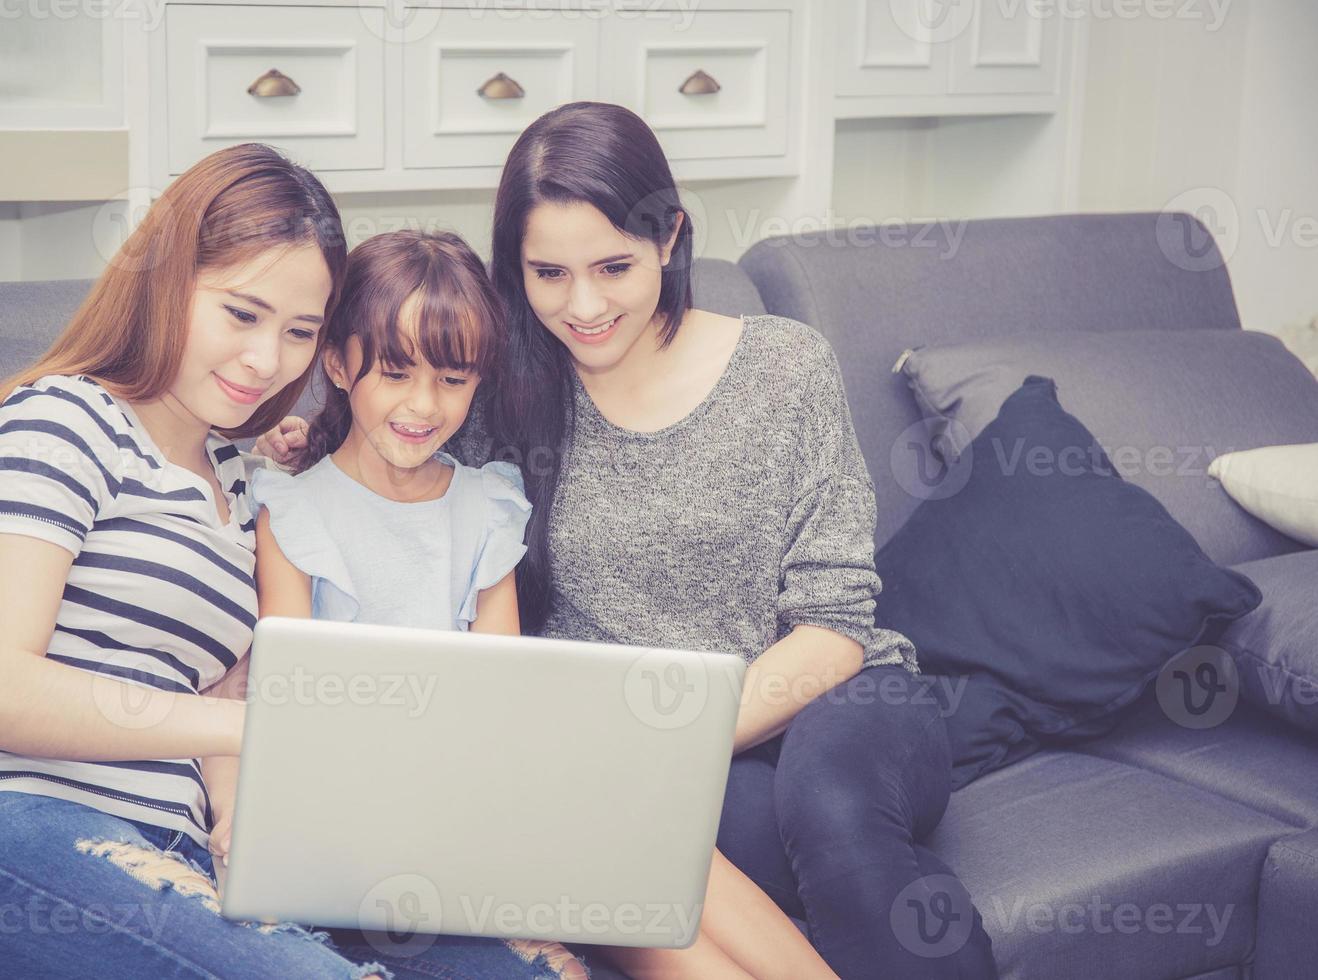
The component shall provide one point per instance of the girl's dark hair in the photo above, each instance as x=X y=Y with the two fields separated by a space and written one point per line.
x=459 y=319
x=605 y=156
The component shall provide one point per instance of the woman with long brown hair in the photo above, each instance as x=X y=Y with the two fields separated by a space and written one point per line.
x=127 y=595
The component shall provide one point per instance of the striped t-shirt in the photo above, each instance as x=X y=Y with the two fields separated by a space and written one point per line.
x=159 y=594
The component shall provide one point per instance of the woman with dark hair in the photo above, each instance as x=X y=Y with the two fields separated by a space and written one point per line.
x=697 y=483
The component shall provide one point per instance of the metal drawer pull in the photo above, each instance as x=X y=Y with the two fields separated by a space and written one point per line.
x=501 y=87
x=273 y=83
x=700 y=83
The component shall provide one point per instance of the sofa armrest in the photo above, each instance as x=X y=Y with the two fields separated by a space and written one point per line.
x=1287 y=942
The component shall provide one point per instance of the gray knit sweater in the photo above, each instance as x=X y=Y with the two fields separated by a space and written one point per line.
x=752 y=515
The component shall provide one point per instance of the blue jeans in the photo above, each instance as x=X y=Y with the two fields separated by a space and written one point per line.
x=826 y=818
x=84 y=893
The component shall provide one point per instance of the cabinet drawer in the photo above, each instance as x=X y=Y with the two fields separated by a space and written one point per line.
x=1007 y=52
x=473 y=83
x=891 y=47
x=713 y=86
x=333 y=118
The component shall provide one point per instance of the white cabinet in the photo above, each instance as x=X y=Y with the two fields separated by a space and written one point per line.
x=60 y=70
x=403 y=95
x=947 y=57
x=1008 y=51
x=880 y=51
x=414 y=95
x=309 y=81
x=468 y=90
x=716 y=88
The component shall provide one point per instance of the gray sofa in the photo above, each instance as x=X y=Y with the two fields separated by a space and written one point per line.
x=1151 y=815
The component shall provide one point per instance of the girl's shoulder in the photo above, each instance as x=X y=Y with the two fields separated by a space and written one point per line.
x=280 y=489
x=497 y=487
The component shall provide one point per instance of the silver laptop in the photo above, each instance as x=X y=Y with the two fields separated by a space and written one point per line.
x=419 y=781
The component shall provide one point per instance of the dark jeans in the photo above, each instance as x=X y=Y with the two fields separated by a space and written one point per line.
x=825 y=818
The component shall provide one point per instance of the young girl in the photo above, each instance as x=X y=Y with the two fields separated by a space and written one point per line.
x=379 y=526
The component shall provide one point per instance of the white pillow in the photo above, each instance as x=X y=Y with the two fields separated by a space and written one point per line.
x=1277 y=484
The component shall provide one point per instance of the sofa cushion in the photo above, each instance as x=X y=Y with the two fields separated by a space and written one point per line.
x=1085 y=867
x=1276 y=646
x=1250 y=757
x=1277 y=484
x=1162 y=407
x=954 y=281
x=1049 y=589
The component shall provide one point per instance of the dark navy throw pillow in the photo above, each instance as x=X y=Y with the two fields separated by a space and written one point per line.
x=1048 y=590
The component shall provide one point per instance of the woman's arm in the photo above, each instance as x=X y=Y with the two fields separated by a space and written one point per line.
x=826 y=600
x=51 y=710
x=496 y=608
x=282 y=589
x=789 y=675
x=220 y=772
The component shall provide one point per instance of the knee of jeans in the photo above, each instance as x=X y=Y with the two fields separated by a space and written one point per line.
x=163 y=871
x=158 y=870
x=549 y=959
x=881 y=707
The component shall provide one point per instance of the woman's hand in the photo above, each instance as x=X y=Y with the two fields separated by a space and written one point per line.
x=220 y=773
x=285 y=442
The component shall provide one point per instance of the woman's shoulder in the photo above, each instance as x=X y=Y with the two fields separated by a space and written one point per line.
x=87 y=396
x=783 y=351
x=75 y=410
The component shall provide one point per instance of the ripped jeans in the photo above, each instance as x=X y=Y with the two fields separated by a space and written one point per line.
x=84 y=893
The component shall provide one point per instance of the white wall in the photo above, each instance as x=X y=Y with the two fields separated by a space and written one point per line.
x=955 y=167
x=1220 y=123
x=1276 y=264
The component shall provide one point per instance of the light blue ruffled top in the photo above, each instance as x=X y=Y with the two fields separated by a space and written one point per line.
x=382 y=561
